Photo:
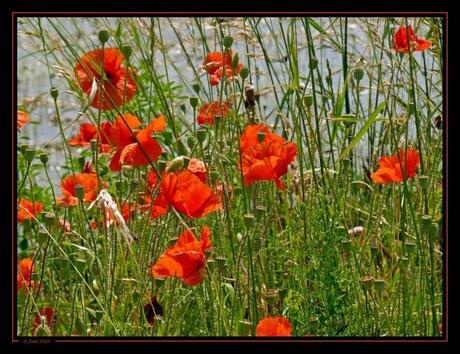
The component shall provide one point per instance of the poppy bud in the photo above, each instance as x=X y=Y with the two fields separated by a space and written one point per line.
x=50 y=220
x=248 y=220
x=29 y=155
x=235 y=61
x=127 y=50
x=44 y=158
x=358 y=74
x=244 y=73
x=54 y=92
x=409 y=247
x=104 y=36
x=366 y=282
x=260 y=136
x=196 y=88
x=176 y=164
x=308 y=100
x=313 y=63
x=42 y=237
x=201 y=135
x=81 y=162
x=228 y=41
x=194 y=101
x=80 y=191
x=379 y=285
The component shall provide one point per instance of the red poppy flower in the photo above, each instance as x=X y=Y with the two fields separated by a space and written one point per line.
x=47 y=314
x=153 y=311
x=390 y=169
x=401 y=44
x=187 y=194
x=118 y=84
x=198 y=168
x=23 y=118
x=88 y=132
x=87 y=180
x=185 y=259
x=266 y=160
x=250 y=136
x=274 y=327
x=24 y=275
x=128 y=150
x=33 y=208
x=209 y=111
x=218 y=64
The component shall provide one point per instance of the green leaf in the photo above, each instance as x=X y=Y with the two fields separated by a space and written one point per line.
x=363 y=130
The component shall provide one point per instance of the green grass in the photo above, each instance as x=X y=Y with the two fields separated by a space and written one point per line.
x=292 y=256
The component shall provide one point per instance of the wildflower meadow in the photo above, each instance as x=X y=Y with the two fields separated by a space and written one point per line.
x=223 y=177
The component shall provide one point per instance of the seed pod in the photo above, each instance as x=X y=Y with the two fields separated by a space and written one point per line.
x=42 y=237
x=194 y=101
x=248 y=220
x=104 y=36
x=260 y=136
x=201 y=134
x=196 y=88
x=127 y=50
x=80 y=192
x=44 y=158
x=29 y=155
x=54 y=92
x=50 y=220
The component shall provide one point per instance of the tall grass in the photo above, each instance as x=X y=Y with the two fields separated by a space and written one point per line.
x=333 y=86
